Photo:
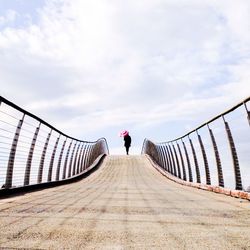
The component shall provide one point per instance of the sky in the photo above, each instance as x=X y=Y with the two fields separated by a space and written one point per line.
x=157 y=68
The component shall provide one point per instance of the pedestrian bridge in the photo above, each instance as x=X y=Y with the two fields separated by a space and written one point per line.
x=59 y=192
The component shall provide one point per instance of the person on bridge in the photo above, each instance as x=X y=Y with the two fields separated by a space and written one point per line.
x=127 y=142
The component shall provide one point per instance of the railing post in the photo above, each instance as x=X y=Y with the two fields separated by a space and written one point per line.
x=92 y=157
x=188 y=162
x=30 y=156
x=166 y=158
x=71 y=161
x=198 y=176
x=83 y=157
x=204 y=155
x=66 y=160
x=182 y=162
x=173 y=161
x=217 y=158
x=60 y=161
x=75 y=160
x=79 y=160
x=171 y=171
x=9 y=173
x=52 y=160
x=40 y=170
x=163 y=157
x=238 y=183
x=158 y=148
x=86 y=157
x=90 y=154
x=177 y=161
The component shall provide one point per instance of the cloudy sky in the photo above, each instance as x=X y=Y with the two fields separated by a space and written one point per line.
x=155 y=67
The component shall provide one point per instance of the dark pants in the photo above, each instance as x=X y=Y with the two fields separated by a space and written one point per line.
x=127 y=149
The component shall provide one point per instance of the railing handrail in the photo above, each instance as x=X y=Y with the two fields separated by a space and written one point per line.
x=2 y=99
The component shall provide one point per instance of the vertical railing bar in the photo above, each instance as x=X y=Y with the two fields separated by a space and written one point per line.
x=158 y=148
x=163 y=157
x=217 y=157
x=237 y=174
x=86 y=157
x=197 y=170
x=83 y=157
x=30 y=157
x=71 y=160
x=75 y=159
x=10 y=168
x=60 y=160
x=188 y=162
x=169 y=160
x=182 y=162
x=204 y=155
x=89 y=155
x=79 y=160
x=66 y=160
x=51 y=164
x=93 y=154
x=173 y=161
x=177 y=161
x=41 y=165
x=166 y=158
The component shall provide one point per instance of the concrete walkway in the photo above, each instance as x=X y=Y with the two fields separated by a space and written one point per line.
x=125 y=204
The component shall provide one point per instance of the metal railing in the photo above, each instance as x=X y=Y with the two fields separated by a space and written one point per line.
x=33 y=152
x=215 y=153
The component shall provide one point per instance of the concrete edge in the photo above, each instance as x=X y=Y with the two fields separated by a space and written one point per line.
x=6 y=193
x=215 y=189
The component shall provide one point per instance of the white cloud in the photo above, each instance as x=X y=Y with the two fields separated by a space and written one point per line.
x=9 y=17
x=92 y=65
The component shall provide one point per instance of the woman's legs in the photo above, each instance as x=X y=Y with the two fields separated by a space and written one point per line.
x=127 y=149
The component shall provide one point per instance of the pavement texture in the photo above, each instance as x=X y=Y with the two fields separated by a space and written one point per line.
x=125 y=204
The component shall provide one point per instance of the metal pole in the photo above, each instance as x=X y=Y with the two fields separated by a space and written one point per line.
x=188 y=162
x=198 y=176
x=204 y=155
x=66 y=161
x=52 y=160
x=238 y=182
x=217 y=158
x=60 y=160
x=71 y=161
x=30 y=156
x=9 y=173
x=40 y=170
x=182 y=162
x=75 y=160
x=177 y=161
x=173 y=161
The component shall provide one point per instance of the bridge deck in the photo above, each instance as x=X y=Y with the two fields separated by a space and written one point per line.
x=126 y=204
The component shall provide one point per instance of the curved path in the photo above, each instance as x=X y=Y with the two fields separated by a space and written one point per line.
x=125 y=204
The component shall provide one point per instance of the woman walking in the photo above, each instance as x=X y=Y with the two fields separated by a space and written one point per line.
x=127 y=140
